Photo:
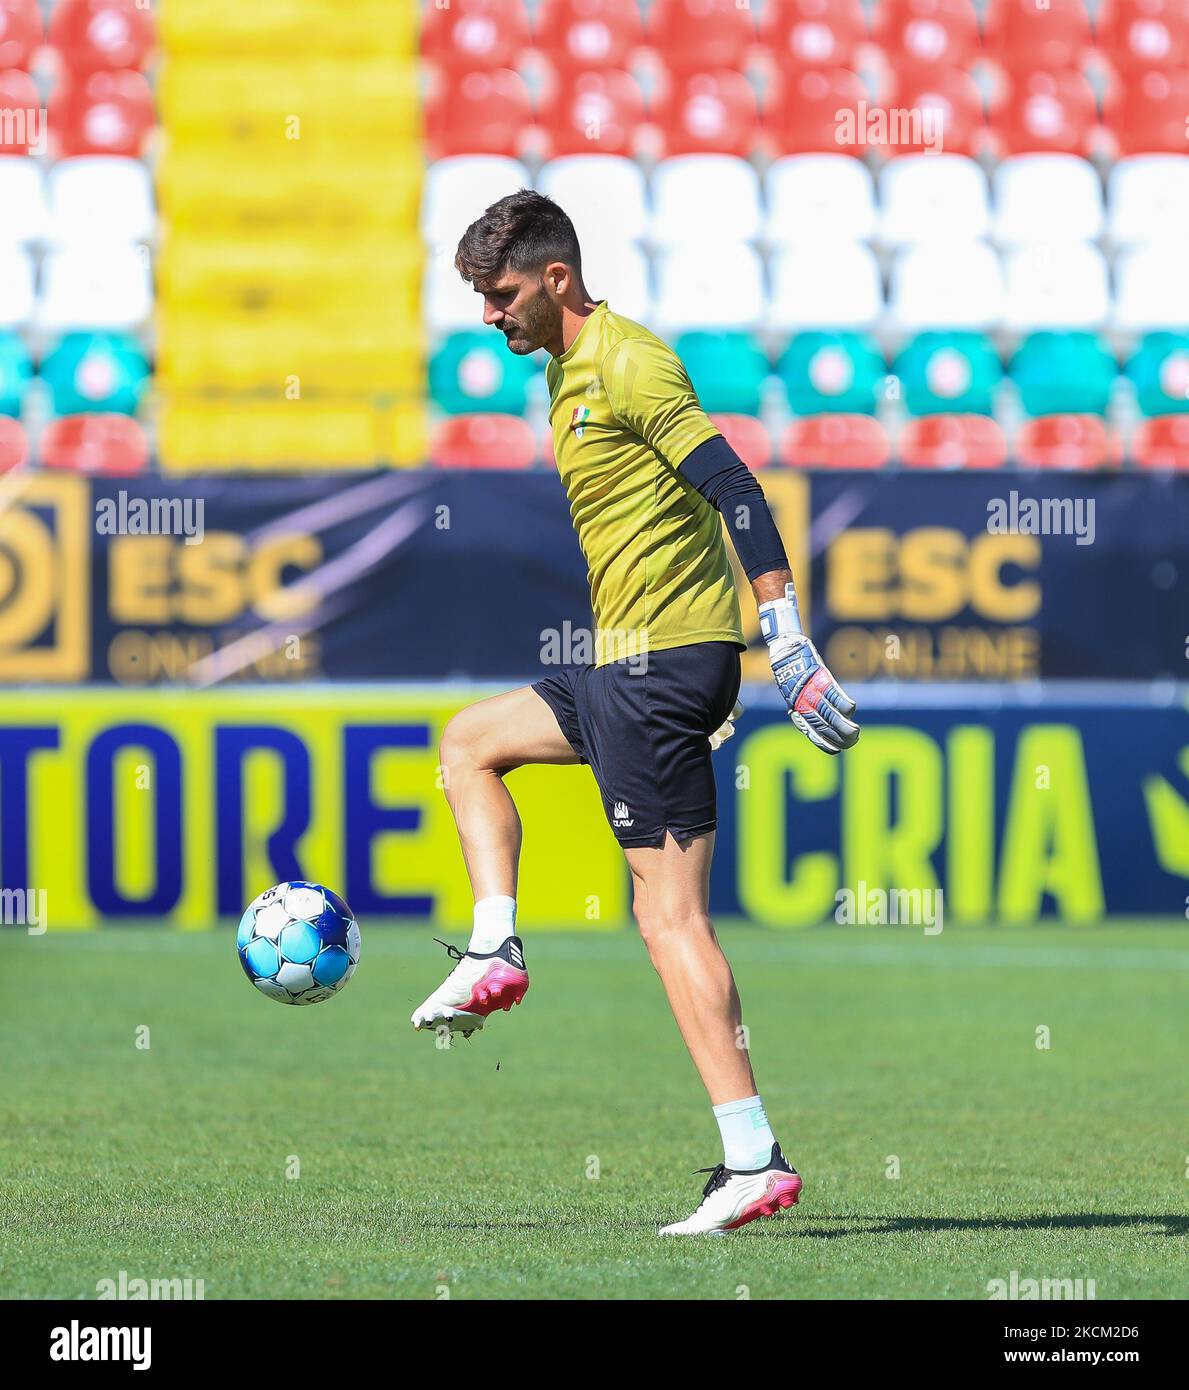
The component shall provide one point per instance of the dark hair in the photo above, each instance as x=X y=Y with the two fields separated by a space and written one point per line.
x=524 y=231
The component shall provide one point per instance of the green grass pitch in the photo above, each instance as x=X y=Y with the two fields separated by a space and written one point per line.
x=538 y=1159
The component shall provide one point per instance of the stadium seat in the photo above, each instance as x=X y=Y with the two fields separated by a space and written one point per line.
x=90 y=373
x=14 y=445
x=952 y=441
x=486 y=112
x=927 y=32
x=1047 y=197
x=709 y=285
x=1024 y=34
x=16 y=371
x=100 y=286
x=1147 y=114
x=946 y=285
x=1043 y=111
x=930 y=110
x=483 y=441
x=102 y=113
x=1074 y=442
x=835 y=441
x=819 y=198
x=1055 y=286
x=747 y=436
x=1162 y=443
x=949 y=373
x=813 y=33
x=594 y=113
x=1159 y=372
x=803 y=114
x=475 y=373
x=824 y=286
x=1148 y=198
x=111 y=445
x=1063 y=374
x=21 y=126
x=448 y=303
x=831 y=374
x=1152 y=288
x=100 y=197
x=1135 y=35
x=708 y=113
x=619 y=273
x=932 y=197
x=22 y=196
x=605 y=196
x=459 y=189
x=728 y=370
x=705 y=197
x=91 y=35
x=466 y=35
x=17 y=287
x=702 y=34
x=581 y=35
x=21 y=33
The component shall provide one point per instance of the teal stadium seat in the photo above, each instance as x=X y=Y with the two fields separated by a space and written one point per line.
x=728 y=370
x=1159 y=371
x=949 y=374
x=15 y=374
x=1063 y=374
x=474 y=373
x=96 y=373
x=831 y=374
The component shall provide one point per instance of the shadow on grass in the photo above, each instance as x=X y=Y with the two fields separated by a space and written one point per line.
x=904 y=1225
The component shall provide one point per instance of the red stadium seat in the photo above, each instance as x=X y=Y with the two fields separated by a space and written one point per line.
x=813 y=33
x=581 y=35
x=1046 y=112
x=1139 y=34
x=952 y=441
x=90 y=35
x=701 y=34
x=483 y=441
x=802 y=114
x=21 y=32
x=14 y=444
x=747 y=436
x=1148 y=115
x=709 y=113
x=478 y=113
x=1022 y=34
x=469 y=34
x=835 y=441
x=594 y=113
x=20 y=112
x=114 y=445
x=927 y=32
x=1077 y=442
x=102 y=113
x=954 y=106
x=1162 y=442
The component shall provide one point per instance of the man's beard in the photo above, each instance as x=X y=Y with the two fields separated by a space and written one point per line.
x=537 y=324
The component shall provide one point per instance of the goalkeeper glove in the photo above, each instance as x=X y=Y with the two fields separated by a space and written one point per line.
x=818 y=705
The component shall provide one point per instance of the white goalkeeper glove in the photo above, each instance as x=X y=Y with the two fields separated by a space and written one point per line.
x=817 y=704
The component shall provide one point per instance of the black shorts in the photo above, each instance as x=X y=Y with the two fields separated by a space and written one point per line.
x=643 y=725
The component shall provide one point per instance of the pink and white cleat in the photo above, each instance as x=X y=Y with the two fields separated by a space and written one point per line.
x=476 y=987
x=732 y=1198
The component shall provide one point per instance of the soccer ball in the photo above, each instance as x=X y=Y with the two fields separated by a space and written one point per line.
x=298 y=943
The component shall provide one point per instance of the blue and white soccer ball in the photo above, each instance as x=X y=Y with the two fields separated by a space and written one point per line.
x=298 y=943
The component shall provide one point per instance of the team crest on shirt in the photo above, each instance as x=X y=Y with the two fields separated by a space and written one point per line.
x=578 y=420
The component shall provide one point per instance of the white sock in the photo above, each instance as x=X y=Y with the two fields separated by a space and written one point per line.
x=747 y=1138
x=495 y=922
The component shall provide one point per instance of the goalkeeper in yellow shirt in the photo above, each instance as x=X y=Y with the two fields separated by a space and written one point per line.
x=649 y=480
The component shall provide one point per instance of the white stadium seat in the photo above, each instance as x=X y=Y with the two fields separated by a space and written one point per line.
x=619 y=273
x=705 y=197
x=100 y=197
x=22 y=199
x=449 y=304
x=819 y=197
x=605 y=196
x=940 y=285
x=815 y=285
x=17 y=287
x=710 y=285
x=459 y=189
x=1148 y=199
x=1056 y=285
x=1152 y=288
x=1047 y=197
x=96 y=286
x=932 y=197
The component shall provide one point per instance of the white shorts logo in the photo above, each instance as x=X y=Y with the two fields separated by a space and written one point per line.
x=619 y=816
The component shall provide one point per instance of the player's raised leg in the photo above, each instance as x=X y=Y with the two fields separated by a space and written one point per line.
x=480 y=745
x=670 y=899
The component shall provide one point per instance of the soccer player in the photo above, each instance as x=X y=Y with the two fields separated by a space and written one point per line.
x=649 y=480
